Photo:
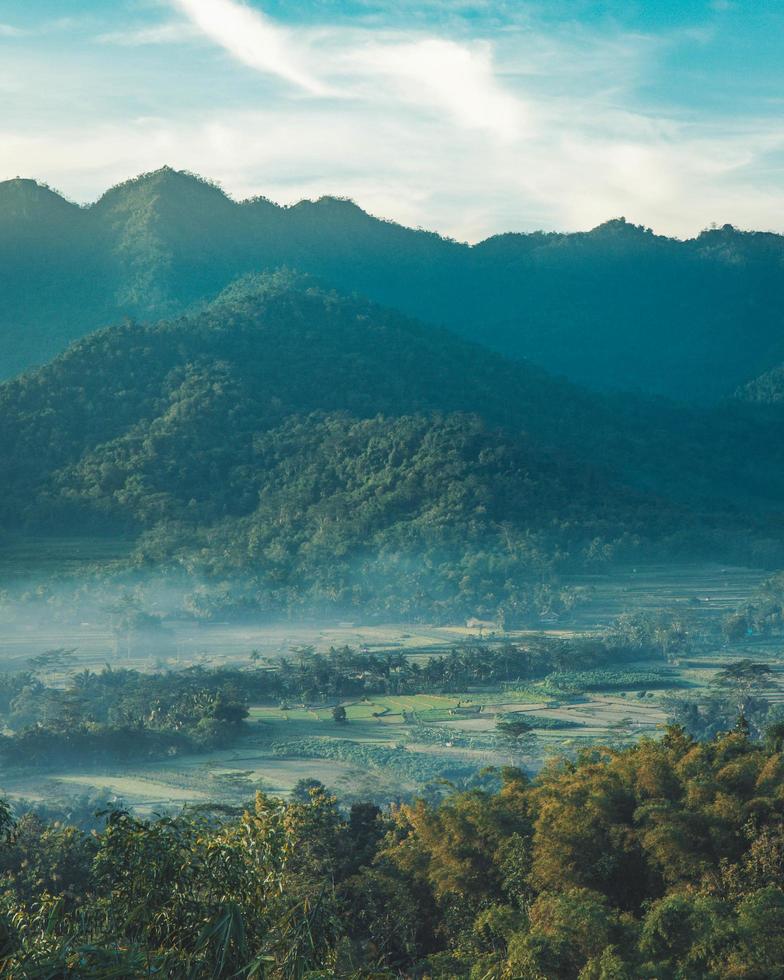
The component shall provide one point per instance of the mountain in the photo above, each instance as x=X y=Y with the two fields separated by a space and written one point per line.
x=614 y=308
x=334 y=453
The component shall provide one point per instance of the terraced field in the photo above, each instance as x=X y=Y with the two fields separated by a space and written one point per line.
x=704 y=590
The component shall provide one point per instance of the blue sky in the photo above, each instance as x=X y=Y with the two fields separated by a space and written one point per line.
x=466 y=116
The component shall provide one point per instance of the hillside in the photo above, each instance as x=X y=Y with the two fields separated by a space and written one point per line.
x=616 y=307
x=767 y=389
x=337 y=453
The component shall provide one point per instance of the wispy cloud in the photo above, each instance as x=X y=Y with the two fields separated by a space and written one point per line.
x=252 y=38
x=425 y=71
x=435 y=121
x=170 y=33
x=452 y=77
x=8 y=30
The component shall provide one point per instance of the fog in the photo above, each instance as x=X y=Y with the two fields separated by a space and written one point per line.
x=156 y=621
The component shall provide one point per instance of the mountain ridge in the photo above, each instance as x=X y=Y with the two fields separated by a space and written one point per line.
x=616 y=307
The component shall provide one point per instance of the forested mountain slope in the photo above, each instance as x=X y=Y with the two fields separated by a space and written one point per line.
x=767 y=389
x=338 y=452
x=615 y=307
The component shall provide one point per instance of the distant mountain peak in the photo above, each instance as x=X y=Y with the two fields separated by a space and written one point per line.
x=166 y=180
x=24 y=198
x=339 y=203
x=767 y=389
x=254 y=287
x=620 y=226
x=341 y=208
x=616 y=307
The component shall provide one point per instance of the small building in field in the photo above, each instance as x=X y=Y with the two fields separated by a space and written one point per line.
x=480 y=624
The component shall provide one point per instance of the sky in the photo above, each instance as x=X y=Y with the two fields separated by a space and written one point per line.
x=469 y=117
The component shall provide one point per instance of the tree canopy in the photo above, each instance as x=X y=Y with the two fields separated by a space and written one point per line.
x=661 y=860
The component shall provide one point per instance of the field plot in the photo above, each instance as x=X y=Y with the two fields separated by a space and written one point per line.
x=704 y=590
x=368 y=719
x=229 y=778
x=389 y=747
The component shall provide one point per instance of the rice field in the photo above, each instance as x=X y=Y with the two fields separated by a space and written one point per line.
x=384 y=738
x=429 y=727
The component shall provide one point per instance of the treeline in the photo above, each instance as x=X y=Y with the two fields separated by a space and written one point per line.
x=762 y=615
x=660 y=861
x=740 y=692
x=117 y=715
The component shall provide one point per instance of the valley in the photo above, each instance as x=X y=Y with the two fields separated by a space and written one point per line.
x=391 y=490
x=394 y=746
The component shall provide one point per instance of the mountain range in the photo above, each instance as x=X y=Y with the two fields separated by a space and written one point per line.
x=615 y=308
x=405 y=426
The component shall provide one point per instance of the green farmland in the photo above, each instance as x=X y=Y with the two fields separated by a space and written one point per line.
x=392 y=746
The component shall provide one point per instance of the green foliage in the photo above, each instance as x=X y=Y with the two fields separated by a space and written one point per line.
x=736 y=697
x=660 y=860
x=121 y=715
x=302 y=451
x=762 y=616
x=577 y=681
x=512 y=725
x=249 y=444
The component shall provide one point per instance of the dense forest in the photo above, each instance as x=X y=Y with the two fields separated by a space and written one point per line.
x=662 y=861
x=615 y=307
x=334 y=454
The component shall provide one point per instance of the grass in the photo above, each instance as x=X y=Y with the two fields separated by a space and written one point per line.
x=22 y=556
x=385 y=709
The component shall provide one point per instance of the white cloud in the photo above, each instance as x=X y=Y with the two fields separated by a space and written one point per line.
x=8 y=30
x=171 y=33
x=445 y=75
x=252 y=38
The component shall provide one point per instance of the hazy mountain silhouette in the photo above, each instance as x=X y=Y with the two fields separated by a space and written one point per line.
x=615 y=307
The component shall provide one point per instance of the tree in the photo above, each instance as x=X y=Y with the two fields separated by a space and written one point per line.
x=512 y=728
x=339 y=715
x=303 y=789
x=743 y=681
